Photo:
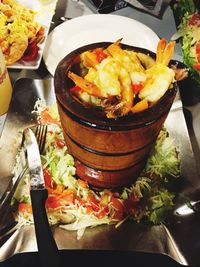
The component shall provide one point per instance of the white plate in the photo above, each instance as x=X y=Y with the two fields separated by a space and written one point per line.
x=45 y=10
x=95 y=28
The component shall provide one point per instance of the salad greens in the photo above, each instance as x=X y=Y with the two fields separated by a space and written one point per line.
x=188 y=18
x=73 y=205
x=180 y=7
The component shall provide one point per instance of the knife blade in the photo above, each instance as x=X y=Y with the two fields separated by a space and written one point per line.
x=34 y=161
x=47 y=248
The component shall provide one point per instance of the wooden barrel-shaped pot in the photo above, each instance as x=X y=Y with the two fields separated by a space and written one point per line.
x=108 y=153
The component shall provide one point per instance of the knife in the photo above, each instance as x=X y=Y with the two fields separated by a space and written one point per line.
x=47 y=248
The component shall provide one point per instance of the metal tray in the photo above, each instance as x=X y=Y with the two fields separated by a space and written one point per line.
x=179 y=239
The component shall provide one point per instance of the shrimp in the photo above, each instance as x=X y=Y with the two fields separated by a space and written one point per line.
x=113 y=80
x=159 y=76
x=127 y=96
x=130 y=62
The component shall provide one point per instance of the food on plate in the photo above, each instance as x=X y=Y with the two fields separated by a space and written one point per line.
x=121 y=81
x=20 y=33
x=73 y=205
x=189 y=34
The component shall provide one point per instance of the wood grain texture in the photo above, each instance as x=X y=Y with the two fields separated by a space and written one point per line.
x=108 y=153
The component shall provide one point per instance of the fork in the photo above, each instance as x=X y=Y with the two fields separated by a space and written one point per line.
x=40 y=133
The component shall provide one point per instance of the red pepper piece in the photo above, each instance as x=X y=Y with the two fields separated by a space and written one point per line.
x=100 y=55
x=137 y=87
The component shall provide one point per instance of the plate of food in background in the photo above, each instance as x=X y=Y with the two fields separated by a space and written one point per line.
x=24 y=26
x=95 y=28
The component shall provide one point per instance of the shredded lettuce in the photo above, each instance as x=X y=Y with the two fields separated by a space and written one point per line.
x=148 y=199
x=164 y=159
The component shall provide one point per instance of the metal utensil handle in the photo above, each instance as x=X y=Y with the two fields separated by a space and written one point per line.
x=47 y=248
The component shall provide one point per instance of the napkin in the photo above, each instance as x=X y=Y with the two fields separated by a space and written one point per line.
x=105 y=6
x=154 y=7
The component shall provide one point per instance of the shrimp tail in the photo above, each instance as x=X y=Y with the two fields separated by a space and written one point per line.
x=86 y=86
x=164 y=52
x=160 y=50
x=168 y=53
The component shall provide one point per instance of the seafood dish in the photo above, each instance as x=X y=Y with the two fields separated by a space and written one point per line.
x=20 y=33
x=120 y=81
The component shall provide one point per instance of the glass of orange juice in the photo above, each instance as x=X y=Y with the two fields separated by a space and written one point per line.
x=5 y=86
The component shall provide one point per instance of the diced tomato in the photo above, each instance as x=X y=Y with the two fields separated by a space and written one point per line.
x=53 y=202
x=194 y=19
x=117 y=203
x=196 y=66
x=60 y=143
x=137 y=87
x=93 y=202
x=24 y=207
x=48 y=178
x=75 y=90
x=31 y=52
x=100 y=55
x=119 y=207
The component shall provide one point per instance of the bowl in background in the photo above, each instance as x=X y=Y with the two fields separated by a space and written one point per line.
x=108 y=153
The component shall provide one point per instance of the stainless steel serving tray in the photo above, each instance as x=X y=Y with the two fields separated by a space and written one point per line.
x=179 y=239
